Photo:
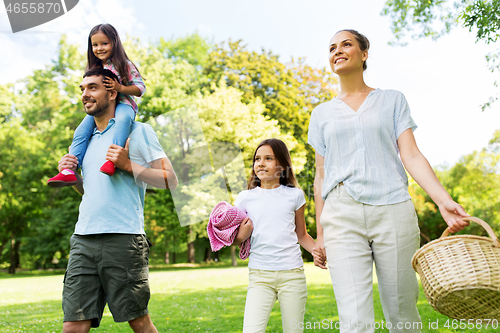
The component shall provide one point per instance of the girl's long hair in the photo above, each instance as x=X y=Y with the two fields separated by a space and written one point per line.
x=282 y=155
x=119 y=58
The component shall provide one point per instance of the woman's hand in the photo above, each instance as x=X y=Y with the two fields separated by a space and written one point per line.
x=452 y=213
x=112 y=84
x=245 y=231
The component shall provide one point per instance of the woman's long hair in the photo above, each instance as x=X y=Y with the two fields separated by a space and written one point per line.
x=282 y=155
x=119 y=58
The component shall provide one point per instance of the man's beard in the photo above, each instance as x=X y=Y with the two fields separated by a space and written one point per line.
x=98 y=108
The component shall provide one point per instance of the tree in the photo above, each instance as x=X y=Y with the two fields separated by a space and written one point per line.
x=35 y=131
x=39 y=114
x=437 y=17
x=434 y=18
x=288 y=90
x=19 y=201
x=474 y=182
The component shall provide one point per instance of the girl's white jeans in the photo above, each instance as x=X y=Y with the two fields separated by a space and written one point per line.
x=356 y=236
x=264 y=287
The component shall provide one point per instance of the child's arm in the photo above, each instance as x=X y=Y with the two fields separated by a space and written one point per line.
x=135 y=84
x=111 y=84
x=305 y=240
x=319 y=204
x=244 y=232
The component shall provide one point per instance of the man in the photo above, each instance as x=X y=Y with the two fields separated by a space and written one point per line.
x=109 y=253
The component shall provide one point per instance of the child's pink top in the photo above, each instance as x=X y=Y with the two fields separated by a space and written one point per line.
x=134 y=78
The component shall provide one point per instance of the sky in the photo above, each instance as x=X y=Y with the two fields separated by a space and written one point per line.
x=445 y=81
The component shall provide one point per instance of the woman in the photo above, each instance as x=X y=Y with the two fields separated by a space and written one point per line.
x=365 y=211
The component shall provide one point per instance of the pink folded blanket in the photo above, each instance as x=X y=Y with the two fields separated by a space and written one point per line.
x=223 y=226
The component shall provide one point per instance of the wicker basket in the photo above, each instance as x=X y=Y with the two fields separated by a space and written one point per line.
x=460 y=275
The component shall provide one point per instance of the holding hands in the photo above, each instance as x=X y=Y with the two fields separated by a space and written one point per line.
x=319 y=255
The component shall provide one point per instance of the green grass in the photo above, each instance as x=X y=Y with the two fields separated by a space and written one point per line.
x=183 y=300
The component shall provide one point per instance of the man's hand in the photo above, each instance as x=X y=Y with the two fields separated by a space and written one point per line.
x=111 y=84
x=68 y=161
x=119 y=156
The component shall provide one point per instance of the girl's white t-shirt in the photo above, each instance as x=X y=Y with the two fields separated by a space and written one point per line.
x=274 y=243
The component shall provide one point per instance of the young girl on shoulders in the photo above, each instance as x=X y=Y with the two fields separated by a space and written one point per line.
x=105 y=50
x=275 y=206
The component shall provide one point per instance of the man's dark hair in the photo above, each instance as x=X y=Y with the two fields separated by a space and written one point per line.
x=101 y=72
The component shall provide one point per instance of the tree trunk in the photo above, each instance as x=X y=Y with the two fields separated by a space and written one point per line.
x=233 y=256
x=190 y=250
x=208 y=254
x=13 y=262
x=17 y=257
x=167 y=257
x=191 y=253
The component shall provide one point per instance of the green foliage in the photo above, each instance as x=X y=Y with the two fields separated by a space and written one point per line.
x=289 y=91
x=483 y=16
x=192 y=48
x=35 y=133
x=433 y=18
x=6 y=98
x=474 y=182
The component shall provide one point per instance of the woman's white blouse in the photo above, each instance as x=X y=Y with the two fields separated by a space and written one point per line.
x=360 y=148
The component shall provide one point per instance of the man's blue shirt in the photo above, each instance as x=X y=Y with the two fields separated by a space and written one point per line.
x=115 y=204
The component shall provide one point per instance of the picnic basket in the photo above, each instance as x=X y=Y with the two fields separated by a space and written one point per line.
x=460 y=274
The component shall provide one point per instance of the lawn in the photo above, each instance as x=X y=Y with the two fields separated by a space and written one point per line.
x=207 y=299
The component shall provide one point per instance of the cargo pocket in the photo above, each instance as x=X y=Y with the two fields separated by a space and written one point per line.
x=138 y=289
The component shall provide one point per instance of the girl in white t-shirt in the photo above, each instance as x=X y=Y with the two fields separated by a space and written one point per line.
x=275 y=208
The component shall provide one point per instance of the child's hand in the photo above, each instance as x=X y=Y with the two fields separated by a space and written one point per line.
x=112 y=84
x=319 y=258
x=244 y=232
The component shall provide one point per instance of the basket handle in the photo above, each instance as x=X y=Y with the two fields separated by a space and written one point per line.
x=483 y=224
